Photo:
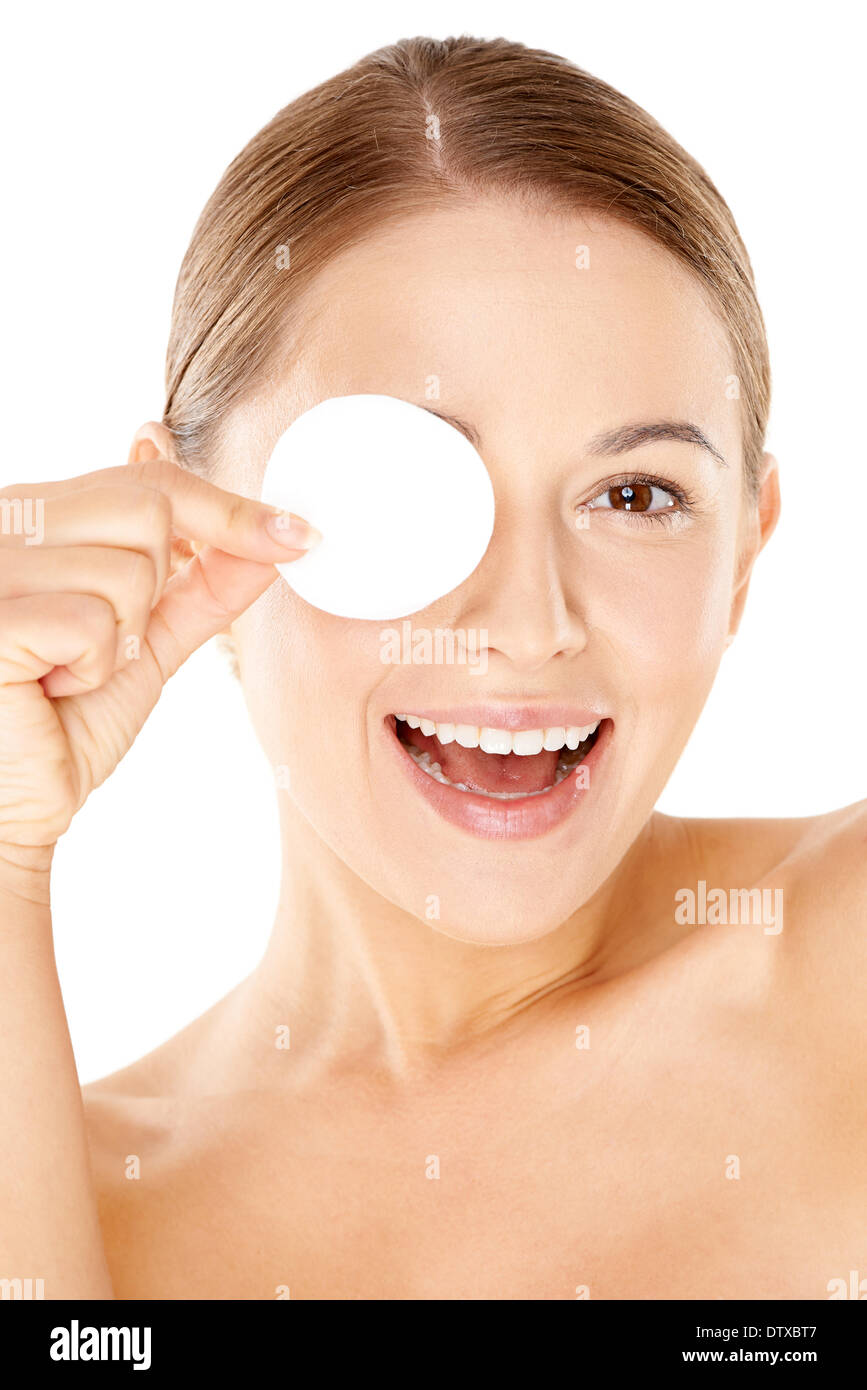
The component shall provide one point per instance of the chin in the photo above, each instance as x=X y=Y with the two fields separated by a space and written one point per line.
x=503 y=929
x=493 y=908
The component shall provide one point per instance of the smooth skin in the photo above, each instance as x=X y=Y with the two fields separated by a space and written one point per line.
x=433 y=1131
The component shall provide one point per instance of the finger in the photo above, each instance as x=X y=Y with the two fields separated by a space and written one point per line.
x=201 y=511
x=127 y=517
x=126 y=579
x=226 y=521
x=67 y=636
x=208 y=594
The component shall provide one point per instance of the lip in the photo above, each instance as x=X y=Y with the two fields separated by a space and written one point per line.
x=510 y=717
x=526 y=817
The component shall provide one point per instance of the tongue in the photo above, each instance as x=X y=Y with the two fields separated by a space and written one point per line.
x=487 y=772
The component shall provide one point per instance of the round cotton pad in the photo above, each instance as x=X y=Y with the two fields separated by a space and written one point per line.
x=403 y=500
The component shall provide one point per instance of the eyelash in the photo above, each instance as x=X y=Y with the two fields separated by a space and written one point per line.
x=685 y=504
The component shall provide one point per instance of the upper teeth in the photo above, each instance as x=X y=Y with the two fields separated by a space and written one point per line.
x=522 y=741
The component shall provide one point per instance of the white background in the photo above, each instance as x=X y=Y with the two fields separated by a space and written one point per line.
x=118 y=123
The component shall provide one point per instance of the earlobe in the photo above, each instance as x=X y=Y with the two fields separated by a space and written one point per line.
x=150 y=441
x=767 y=514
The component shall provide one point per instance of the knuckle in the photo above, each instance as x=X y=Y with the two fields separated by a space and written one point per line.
x=94 y=618
x=154 y=512
x=139 y=498
x=155 y=474
x=237 y=510
x=141 y=575
x=13 y=572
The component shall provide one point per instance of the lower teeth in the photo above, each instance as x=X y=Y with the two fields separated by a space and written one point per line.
x=422 y=759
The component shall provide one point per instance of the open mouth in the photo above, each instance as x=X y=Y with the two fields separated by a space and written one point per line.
x=501 y=764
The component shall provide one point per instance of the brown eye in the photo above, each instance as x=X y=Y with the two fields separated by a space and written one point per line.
x=631 y=497
x=636 y=495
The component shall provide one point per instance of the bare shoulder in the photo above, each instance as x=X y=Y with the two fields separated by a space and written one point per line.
x=823 y=857
x=158 y=1105
x=804 y=880
x=826 y=872
x=825 y=881
x=157 y=1136
x=818 y=883
x=845 y=832
x=127 y=1116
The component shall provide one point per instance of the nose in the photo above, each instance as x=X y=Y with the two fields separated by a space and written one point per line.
x=517 y=594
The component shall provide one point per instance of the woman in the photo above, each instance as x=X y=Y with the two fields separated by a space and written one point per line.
x=516 y=1034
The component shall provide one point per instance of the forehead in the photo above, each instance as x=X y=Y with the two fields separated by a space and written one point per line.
x=529 y=322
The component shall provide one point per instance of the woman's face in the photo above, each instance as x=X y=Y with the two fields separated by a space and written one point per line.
x=544 y=333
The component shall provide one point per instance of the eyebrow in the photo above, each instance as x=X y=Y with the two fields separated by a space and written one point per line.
x=471 y=434
x=627 y=437
x=618 y=441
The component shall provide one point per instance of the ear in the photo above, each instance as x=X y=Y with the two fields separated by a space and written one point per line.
x=764 y=515
x=152 y=441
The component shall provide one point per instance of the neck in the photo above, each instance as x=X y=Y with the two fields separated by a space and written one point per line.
x=356 y=977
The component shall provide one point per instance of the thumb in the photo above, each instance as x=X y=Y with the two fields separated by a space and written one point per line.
x=200 y=600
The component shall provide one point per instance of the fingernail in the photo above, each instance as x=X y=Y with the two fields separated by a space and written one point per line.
x=292 y=532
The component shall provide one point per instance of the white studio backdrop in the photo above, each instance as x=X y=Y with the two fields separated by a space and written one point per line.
x=118 y=122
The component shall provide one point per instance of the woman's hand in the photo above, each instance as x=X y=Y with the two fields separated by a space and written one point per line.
x=93 y=623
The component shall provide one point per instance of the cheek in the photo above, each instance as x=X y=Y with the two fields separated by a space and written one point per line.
x=662 y=608
x=307 y=680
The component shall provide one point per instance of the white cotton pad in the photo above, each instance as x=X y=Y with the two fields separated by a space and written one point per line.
x=403 y=500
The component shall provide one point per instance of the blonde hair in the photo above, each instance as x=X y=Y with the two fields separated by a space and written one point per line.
x=419 y=120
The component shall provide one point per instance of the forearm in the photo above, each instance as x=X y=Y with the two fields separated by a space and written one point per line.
x=49 y=1227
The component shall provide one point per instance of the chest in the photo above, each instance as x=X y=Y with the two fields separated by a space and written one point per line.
x=685 y=1191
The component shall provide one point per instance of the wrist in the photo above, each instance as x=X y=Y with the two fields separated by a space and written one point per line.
x=25 y=873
